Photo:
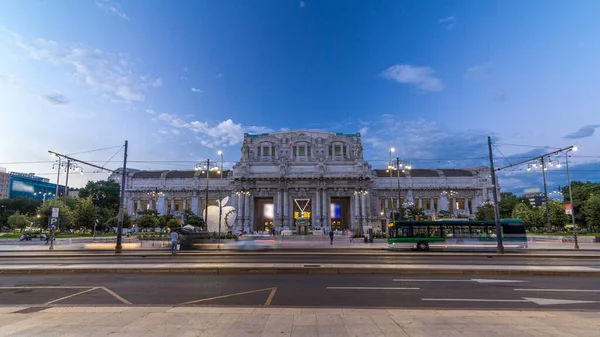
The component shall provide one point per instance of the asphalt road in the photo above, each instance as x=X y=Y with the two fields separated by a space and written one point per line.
x=382 y=291
x=323 y=258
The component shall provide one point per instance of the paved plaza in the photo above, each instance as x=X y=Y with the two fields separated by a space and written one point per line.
x=295 y=322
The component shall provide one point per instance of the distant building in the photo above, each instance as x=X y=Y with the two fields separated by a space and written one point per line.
x=4 y=183
x=536 y=199
x=30 y=186
x=74 y=192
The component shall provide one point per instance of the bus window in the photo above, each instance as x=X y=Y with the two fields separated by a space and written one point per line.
x=435 y=231
x=403 y=232
x=478 y=231
x=462 y=231
x=420 y=231
x=513 y=228
x=447 y=231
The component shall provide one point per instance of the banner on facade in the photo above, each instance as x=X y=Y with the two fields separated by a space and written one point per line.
x=569 y=209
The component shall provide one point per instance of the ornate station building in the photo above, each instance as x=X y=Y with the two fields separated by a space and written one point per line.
x=305 y=181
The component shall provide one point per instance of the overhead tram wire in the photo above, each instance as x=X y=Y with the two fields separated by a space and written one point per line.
x=502 y=154
x=530 y=146
x=119 y=150
x=90 y=151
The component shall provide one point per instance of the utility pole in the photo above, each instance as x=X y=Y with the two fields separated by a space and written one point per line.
x=500 y=247
x=400 y=207
x=57 y=178
x=67 y=178
x=119 y=246
x=548 y=224
x=206 y=193
x=571 y=198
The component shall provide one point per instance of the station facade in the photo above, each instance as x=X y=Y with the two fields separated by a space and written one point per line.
x=304 y=181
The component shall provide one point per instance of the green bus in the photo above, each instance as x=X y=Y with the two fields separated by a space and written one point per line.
x=453 y=233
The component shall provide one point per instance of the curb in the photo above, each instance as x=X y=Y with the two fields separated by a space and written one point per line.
x=166 y=253
x=300 y=270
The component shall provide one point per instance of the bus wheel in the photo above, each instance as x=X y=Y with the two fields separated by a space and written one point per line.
x=423 y=246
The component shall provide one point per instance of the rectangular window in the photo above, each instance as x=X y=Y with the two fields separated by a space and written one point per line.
x=460 y=203
x=426 y=203
x=448 y=231
x=338 y=150
x=302 y=150
x=435 y=231
x=331 y=151
x=420 y=231
x=345 y=151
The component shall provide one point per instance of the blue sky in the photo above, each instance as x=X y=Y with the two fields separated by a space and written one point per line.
x=183 y=79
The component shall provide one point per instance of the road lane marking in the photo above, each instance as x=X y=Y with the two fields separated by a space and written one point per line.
x=478 y=280
x=371 y=288
x=538 y=301
x=72 y=295
x=230 y=295
x=562 y=290
x=115 y=295
x=270 y=298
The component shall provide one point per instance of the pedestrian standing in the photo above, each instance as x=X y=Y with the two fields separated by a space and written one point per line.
x=331 y=237
x=174 y=240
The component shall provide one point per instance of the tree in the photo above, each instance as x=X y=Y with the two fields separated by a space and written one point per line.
x=414 y=213
x=591 y=212
x=581 y=192
x=508 y=202
x=18 y=220
x=104 y=193
x=444 y=214
x=85 y=213
x=558 y=216
x=64 y=212
x=173 y=224
x=525 y=213
x=189 y=218
x=114 y=221
x=21 y=204
x=485 y=213
x=147 y=221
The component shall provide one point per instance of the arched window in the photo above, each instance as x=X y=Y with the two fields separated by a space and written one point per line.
x=266 y=151
x=301 y=151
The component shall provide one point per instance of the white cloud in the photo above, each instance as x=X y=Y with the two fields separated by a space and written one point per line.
x=111 y=7
x=302 y=4
x=421 y=77
x=150 y=112
x=448 y=22
x=225 y=133
x=220 y=75
x=111 y=75
x=197 y=90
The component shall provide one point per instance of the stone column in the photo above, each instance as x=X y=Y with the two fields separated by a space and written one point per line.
x=443 y=203
x=248 y=212
x=317 y=205
x=161 y=205
x=277 y=210
x=363 y=207
x=431 y=205
x=326 y=211
x=420 y=202
x=184 y=204
x=286 y=208
x=138 y=205
x=172 y=205
x=196 y=205
x=130 y=206
x=356 y=206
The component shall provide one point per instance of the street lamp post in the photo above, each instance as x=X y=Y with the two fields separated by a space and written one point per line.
x=390 y=169
x=548 y=224
x=243 y=193
x=401 y=166
x=573 y=148
x=57 y=166
x=206 y=167
x=220 y=153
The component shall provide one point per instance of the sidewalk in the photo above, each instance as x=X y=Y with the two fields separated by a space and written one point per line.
x=291 y=322
x=299 y=268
